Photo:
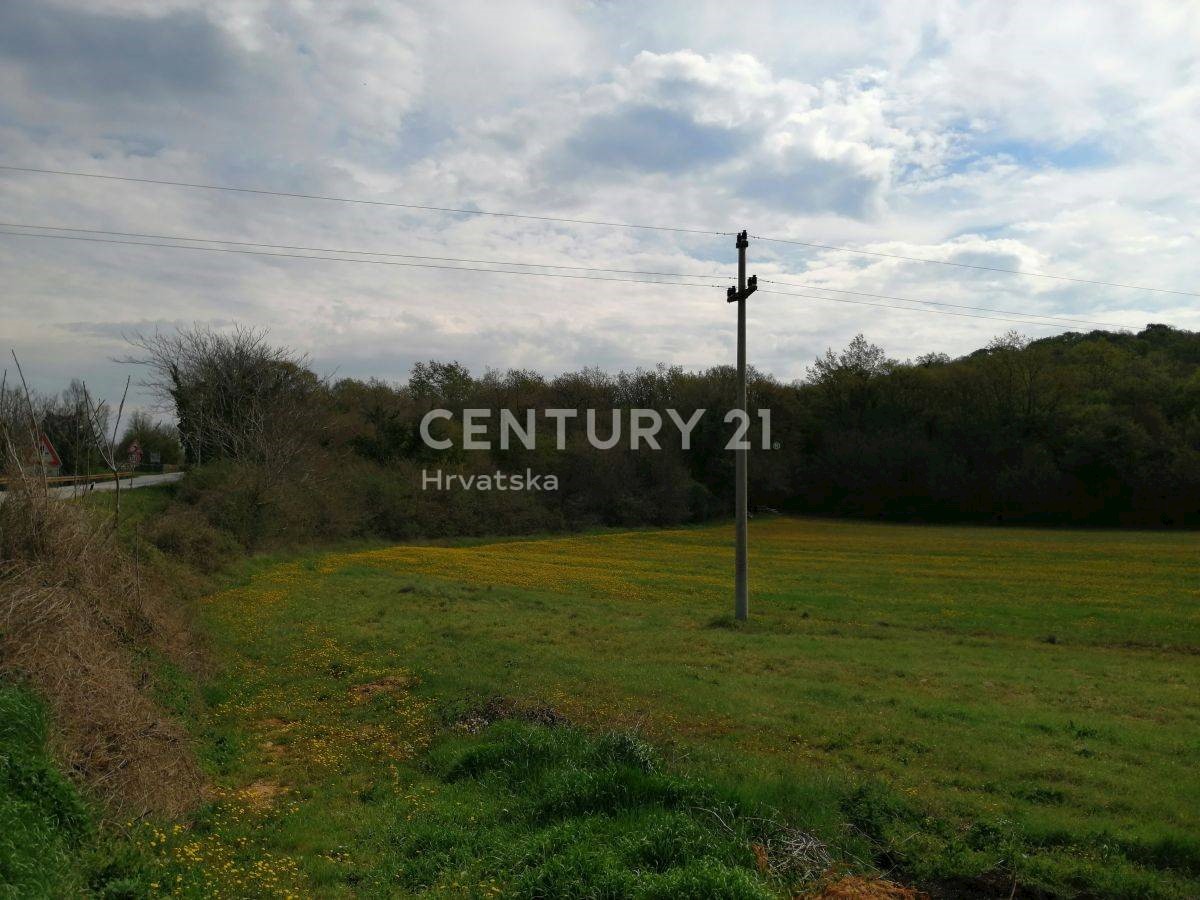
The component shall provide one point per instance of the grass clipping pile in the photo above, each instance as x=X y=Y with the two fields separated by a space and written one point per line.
x=82 y=627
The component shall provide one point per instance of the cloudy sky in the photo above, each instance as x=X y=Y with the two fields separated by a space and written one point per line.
x=1058 y=138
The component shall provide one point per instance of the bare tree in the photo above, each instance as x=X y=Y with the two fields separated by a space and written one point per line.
x=9 y=417
x=98 y=414
x=19 y=426
x=31 y=421
x=82 y=432
x=234 y=395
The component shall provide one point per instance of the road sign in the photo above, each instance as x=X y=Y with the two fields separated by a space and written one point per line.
x=48 y=453
x=135 y=453
x=43 y=453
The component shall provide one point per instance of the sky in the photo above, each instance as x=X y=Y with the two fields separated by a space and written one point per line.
x=1058 y=138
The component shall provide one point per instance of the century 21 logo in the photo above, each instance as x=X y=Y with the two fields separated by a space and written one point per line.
x=642 y=429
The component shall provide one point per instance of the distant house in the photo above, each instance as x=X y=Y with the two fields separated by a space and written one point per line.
x=43 y=456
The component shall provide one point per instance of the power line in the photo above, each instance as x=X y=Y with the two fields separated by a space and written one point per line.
x=389 y=203
x=348 y=259
x=571 y=221
x=493 y=262
x=1015 y=312
x=935 y=312
x=383 y=262
x=960 y=265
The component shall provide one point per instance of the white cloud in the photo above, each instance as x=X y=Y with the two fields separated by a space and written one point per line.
x=1056 y=138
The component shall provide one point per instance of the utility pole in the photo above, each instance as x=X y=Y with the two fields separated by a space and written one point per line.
x=741 y=597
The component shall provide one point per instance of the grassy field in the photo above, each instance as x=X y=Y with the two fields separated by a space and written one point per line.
x=979 y=712
x=42 y=819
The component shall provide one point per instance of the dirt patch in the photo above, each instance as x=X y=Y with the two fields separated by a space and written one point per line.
x=272 y=750
x=497 y=708
x=389 y=684
x=261 y=793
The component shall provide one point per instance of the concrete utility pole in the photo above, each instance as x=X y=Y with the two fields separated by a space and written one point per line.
x=741 y=597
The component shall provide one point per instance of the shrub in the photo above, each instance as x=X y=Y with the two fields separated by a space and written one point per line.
x=260 y=508
x=188 y=535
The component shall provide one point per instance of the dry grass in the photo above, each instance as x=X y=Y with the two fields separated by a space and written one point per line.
x=77 y=620
x=855 y=887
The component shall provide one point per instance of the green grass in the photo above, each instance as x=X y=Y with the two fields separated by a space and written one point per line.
x=554 y=812
x=43 y=821
x=138 y=505
x=53 y=840
x=961 y=708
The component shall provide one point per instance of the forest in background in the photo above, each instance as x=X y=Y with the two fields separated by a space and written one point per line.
x=1097 y=429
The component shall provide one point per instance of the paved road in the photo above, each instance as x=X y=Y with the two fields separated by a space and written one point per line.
x=133 y=483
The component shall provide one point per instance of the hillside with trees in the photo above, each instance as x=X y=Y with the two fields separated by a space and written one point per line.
x=1099 y=429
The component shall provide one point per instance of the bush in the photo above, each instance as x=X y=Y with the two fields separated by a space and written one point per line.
x=260 y=508
x=396 y=507
x=188 y=535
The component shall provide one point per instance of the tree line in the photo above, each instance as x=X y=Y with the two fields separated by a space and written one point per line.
x=1095 y=429
x=1088 y=429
